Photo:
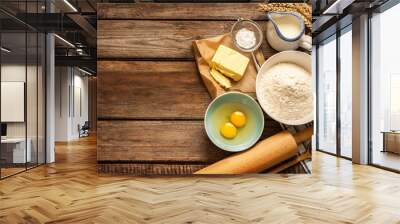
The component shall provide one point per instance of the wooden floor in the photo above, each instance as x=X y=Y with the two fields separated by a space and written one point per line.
x=5 y=172
x=70 y=191
x=387 y=159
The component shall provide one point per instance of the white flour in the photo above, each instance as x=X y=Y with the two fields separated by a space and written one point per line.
x=246 y=38
x=287 y=90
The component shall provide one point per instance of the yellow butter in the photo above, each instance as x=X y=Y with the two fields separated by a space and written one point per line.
x=230 y=62
x=220 y=79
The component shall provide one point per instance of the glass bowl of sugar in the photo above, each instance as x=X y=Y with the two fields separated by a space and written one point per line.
x=246 y=35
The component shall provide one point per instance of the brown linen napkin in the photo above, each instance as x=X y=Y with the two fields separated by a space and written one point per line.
x=205 y=49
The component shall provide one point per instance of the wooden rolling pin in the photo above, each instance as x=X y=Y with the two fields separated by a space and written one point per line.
x=264 y=155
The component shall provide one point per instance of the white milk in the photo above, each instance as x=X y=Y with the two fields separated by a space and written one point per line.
x=289 y=26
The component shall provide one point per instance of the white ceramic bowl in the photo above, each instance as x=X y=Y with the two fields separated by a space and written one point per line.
x=296 y=57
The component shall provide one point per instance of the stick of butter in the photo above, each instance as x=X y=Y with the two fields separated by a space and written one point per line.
x=230 y=62
x=220 y=79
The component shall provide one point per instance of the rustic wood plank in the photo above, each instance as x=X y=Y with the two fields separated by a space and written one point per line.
x=156 y=39
x=160 y=141
x=151 y=106
x=155 y=169
x=147 y=169
x=155 y=141
x=177 y=11
x=150 y=89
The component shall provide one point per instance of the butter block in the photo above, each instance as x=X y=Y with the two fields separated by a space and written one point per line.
x=230 y=62
x=220 y=79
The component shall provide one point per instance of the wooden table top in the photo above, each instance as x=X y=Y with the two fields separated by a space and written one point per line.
x=151 y=100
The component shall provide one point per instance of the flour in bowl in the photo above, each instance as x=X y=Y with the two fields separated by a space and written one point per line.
x=286 y=89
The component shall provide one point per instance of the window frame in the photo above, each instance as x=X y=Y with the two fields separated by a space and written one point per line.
x=381 y=9
x=338 y=34
x=27 y=29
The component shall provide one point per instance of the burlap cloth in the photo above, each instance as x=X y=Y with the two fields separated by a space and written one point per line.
x=205 y=49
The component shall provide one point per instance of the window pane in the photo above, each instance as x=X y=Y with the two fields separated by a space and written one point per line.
x=41 y=98
x=327 y=96
x=31 y=100
x=385 y=89
x=346 y=93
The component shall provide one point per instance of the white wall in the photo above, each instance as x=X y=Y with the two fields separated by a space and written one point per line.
x=16 y=73
x=9 y=73
x=13 y=72
x=62 y=81
x=70 y=83
x=33 y=127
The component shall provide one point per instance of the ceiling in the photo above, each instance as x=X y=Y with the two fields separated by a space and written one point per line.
x=16 y=42
x=332 y=15
x=72 y=20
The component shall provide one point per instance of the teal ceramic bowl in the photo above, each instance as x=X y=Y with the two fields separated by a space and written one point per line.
x=218 y=113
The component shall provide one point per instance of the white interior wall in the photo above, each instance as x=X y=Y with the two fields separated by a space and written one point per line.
x=62 y=81
x=70 y=83
x=82 y=82
x=14 y=73
x=30 y=128
x=80 y=109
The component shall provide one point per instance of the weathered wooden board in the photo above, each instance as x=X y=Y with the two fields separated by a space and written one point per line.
x=151 y=100
x=150 y=90
x=155 y=141
x=146 y=169
x=164 y=140
x=158 y=39
x=181 y=11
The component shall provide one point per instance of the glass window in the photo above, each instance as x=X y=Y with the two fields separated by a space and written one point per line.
x=31 y=100
x=41 y=79
x=15 y=150
x=346 y=92
x=327 y=96
x=385 y=89
x=22 y=91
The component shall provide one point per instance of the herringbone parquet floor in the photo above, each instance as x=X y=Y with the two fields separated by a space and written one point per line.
x=71 y=191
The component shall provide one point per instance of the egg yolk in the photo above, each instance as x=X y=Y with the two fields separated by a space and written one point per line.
x=238 y=119
x=228 y=130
